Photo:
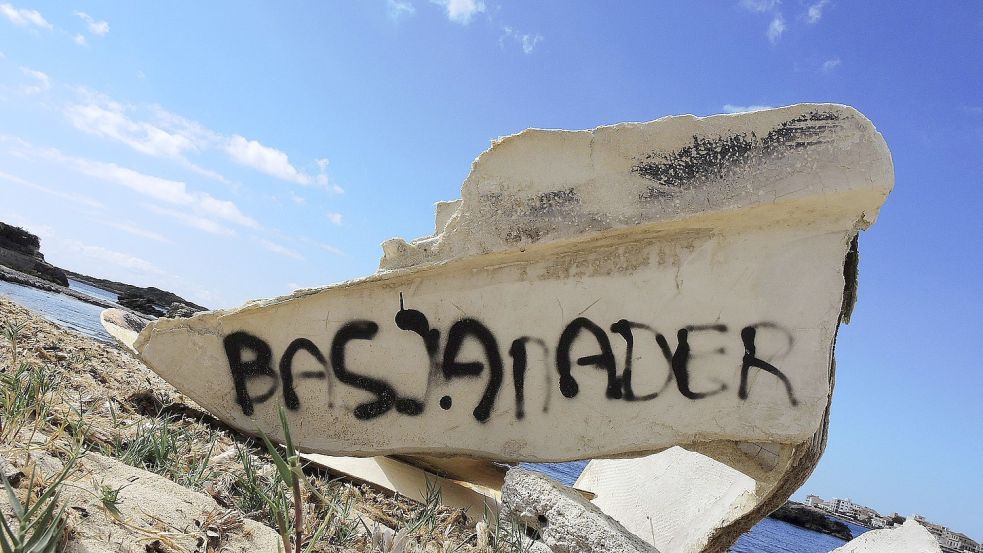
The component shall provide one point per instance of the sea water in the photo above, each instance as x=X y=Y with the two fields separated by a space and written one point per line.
x=93 y=291
x=60 y=309
x=768 y=536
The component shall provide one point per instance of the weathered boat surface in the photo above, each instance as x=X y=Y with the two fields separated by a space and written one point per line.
x=599 y=293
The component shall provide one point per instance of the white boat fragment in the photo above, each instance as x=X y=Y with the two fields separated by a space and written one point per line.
x=122 y=325
x=412 y=482
x=604 y=293
x=595 y=293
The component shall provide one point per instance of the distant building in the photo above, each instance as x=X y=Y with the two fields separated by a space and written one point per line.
x=878 y=522
x=950 y=540
x=844 y=507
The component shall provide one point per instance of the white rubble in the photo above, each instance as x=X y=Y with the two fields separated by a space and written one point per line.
x=910 y=537
x=565 y=521
x=675 y=500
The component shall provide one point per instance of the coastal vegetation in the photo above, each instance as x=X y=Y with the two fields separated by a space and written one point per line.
x=94 y=444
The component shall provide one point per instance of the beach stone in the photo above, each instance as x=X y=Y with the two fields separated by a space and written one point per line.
x=149 y=505
x=910 y=537
x=11 y=473
x=565 y=521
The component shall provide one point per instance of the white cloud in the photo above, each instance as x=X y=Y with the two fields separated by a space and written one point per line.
x=529 y=42
x=776 y=28
x=111 y=121
x=75 y=199
x=399 y=8
x=163 y=134
x=195 y=132
x=461 y=11
x=731 y=108
x=281 y=250
x=526 y=41
x=164 y=190
x=41 y=81
x=326 y=247
x=334 y=217
x=135 y=230
x=23 y=17
x=322 y=177
x=169 y=136
x=112 y=257
x=831 y=64
x=80 y=40
x=760 y=6
x=264 y=159
x=815 y=12
x=191 y=220
x=196 y=204
x=100 y=28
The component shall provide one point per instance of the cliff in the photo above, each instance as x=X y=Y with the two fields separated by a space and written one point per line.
x=22 y=262
x=20 y=250
x=149 y=300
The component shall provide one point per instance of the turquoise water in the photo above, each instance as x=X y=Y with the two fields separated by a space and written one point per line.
x=90 y=290
x=768 y=536
x=60 y=309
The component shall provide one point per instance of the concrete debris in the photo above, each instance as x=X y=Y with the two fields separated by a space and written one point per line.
x=564 y=520
x=674 y=500
x=910 y=537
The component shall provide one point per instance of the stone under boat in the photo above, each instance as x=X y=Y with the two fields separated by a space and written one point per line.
x=604 y=293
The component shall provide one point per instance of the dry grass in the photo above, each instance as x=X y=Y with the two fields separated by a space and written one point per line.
x=100 y=398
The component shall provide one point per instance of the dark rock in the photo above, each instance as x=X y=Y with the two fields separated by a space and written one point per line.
x=811 y=519
x=162 y=299
x=139 y=303
x=22 y=262
x=20 y=250
x=18 y=240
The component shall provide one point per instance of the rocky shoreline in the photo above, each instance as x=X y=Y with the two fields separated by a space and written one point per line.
x=16 y=277
x=147 y=300
x=21 y=262
x=809 y=518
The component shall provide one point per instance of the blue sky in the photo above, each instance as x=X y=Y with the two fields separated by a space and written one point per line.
x=234 y=150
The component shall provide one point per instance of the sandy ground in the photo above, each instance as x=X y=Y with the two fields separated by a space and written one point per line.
x=101 y=398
